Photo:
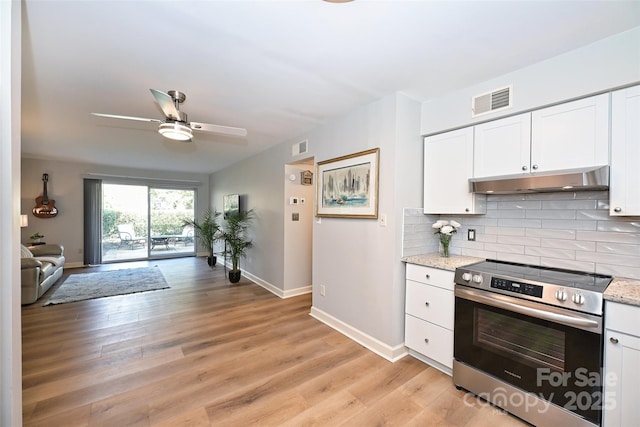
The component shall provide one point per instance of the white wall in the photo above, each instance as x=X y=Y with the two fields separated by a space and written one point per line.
x=259 y=181
x=66 y=188
x=605 y=64
x=297 y=234
x=357 y=260
x=10 y=321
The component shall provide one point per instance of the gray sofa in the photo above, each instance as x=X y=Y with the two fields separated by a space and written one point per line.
x=42 y=266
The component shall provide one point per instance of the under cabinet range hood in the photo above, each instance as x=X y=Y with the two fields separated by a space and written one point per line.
x=594 y=178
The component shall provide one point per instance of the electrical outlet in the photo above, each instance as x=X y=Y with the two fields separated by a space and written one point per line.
x=471 y=235
x=322 y=290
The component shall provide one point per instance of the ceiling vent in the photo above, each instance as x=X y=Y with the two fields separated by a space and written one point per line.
x=300 y=148
x=489 y=102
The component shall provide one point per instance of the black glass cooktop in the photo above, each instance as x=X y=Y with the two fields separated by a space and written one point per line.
x=569 y=278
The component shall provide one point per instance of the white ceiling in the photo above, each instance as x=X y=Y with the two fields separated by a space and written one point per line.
x=277 y=68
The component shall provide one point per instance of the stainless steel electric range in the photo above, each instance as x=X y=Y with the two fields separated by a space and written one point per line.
x=529 y=339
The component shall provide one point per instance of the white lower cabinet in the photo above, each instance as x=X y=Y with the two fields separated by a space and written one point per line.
x=622 y=365
x=429 y=308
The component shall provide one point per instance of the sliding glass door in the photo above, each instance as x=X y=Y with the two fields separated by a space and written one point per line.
x=141 y=222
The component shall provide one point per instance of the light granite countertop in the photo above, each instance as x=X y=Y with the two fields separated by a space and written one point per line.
x=626 y=291
x=622 y=290
x=436 y=261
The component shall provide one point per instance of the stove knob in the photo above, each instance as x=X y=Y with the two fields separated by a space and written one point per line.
x=466 y=276
x=477 y=278
x=561 y=295
x=578 y=299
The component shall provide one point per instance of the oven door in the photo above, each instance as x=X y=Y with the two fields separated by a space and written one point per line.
x=553 y=353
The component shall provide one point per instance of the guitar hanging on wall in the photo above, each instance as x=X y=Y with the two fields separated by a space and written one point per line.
x=45 y=207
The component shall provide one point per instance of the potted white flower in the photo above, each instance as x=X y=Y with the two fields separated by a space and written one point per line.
x=445 y=230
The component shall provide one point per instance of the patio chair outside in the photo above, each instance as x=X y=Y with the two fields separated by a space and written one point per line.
x=128 y=237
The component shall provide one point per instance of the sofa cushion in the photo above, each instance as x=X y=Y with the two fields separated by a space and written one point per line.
x=25 y=252
x=47 y=270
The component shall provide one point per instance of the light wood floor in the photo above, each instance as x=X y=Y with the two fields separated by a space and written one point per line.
x=206 y=352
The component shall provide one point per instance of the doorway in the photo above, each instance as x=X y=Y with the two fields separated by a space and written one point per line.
x=142 y=222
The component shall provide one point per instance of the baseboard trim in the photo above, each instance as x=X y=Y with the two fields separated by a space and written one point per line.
x=76 y=264
x=274 y=289
x=392 y=354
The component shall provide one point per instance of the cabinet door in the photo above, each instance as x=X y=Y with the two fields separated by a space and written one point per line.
x=431 y=340
x=448 y=165
x=571 y=135
x=622 y=384
x=624 y=191
x=435 y=305
x=502 y=147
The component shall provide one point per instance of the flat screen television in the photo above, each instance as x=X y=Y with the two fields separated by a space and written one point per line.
x=230 y=204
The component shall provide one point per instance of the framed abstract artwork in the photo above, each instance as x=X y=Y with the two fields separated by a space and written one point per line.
x=347 y=186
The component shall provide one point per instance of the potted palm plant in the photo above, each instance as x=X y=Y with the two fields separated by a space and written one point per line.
x=206 y=231
x=234 y=234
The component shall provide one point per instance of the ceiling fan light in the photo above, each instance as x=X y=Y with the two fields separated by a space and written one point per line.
x=175 y=131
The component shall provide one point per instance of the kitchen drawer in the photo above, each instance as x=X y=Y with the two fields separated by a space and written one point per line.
x=622 y=317
x=430 y=276
x=431 y=340
x=430 y=303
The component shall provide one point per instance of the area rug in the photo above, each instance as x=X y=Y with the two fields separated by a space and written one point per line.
x=79 y=287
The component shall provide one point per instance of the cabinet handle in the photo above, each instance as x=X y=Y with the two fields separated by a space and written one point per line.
x=524 y=168
x=466 y=209
x=613 y=340
x=426 y=303
x=426 y=340
x=427 y=276
x=534 y=167
x=617 y=209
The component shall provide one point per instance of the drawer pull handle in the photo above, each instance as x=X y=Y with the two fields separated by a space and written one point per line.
x=426 y=303
x=617 y=209
x=427 y=276
x=613 y=340
x=426 y=340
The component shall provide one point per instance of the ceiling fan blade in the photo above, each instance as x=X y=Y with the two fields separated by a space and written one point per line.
x=225 y=130
x=166 y=103
x=115 y=116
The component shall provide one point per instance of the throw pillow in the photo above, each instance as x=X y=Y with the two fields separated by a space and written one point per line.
x=25 y=252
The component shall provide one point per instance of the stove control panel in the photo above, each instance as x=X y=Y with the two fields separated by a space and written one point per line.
x=515 y=287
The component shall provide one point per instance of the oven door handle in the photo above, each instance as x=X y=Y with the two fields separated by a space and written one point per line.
x=498 y=301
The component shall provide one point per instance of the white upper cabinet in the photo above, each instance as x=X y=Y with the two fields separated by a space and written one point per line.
x=448 y=165
x=624 y=187
x=571 y=135
x=502 y=147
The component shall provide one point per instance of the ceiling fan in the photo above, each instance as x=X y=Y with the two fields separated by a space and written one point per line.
x=175 y=125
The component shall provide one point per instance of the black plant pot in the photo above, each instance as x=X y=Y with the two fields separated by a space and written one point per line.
x=234 y=276
x=211 y=260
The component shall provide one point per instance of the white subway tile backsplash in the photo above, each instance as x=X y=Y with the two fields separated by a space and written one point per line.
x=571 y=230
x=597 y=236
x=509 y=249
x=565 y=223
x=558 y=234
x=561 y=254
x=506 y=213
x=526 y=223
x=599 y=257
x=518 y=240
x=575 y=245
x=569 y=204
x=551 y=214
x=619 y=249
x=519 y=204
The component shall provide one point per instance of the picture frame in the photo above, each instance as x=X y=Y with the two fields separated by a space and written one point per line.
x=347 y=186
